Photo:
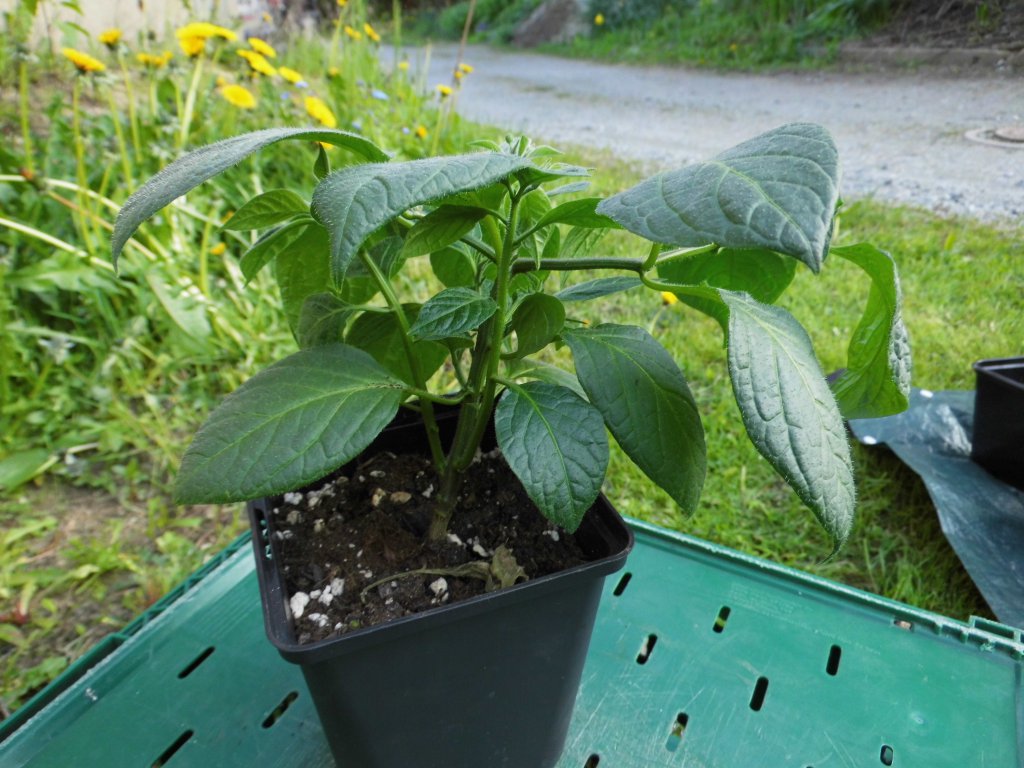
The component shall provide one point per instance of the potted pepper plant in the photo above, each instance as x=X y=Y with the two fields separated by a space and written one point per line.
x=430 y=287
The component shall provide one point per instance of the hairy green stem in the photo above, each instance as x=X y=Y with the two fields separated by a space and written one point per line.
x=597 y=262
x=429 y=421
x=482 y=383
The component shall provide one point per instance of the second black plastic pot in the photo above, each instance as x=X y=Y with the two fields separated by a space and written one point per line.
x=486 y=682
x=998 y=442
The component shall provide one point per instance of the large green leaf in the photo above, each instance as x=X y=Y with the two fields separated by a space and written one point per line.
x=302 y=270
x=789 y=411
x=452 y=312
x=440 y=228
x=646 y=404
x=556 y=444
x=266 y=210
x=579 y=213
x=453 y=267
x=322 y=320
x=356 y=201
x=537 y=320
x=380 y=334
x=761 y=273
x=269 y=245
x=188 y=172
x=777 y=191
x=289 y=425
x=598 y=287
x=876 y=381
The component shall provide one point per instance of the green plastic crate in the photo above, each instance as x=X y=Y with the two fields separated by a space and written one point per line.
x=702 y=657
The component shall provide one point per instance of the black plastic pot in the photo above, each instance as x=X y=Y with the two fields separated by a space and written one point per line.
x=482 y=683
x=998 y=443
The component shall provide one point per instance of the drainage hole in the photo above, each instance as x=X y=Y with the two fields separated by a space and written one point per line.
x=195 y=663
x=281 y=708
x=723 y=616
x=621 y=586
x=887 y=755
x=592 y=761
x=646 y=649
x=834 y=654
x=168 y=753
x=675 y=737
x=760 y=691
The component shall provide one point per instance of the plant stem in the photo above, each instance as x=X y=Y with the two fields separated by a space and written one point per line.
x=476 y=413
x=429 y=421
x=190 y=102
x=122 y=146
x=597 y=262
x=26 y=128
x=133 y=117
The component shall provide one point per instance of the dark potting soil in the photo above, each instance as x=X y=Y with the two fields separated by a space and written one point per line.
x=353 y=551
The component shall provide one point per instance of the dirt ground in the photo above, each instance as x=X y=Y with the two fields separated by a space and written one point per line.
x=956 y=24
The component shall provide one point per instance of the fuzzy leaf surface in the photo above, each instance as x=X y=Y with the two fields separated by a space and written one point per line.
x=189 y=171
x=579 y=213
x=322 y=320
x=647 y=405
x=877 y=379
x=440 y=228
x=761 y=273
x=453 y=267
x=380 y=334
x=537 y=320
x=452 y=312
x=598 y=287
x=269 y=245
x=266 y=210
x=302 y=270
x=289 y=425
x=356 y=201
x=556 y=444
x=789 y=411
x=776 y=191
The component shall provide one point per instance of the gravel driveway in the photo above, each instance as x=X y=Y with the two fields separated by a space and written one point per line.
x=901 y=136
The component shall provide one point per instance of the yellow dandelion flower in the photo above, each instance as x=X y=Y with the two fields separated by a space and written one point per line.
x=221 y=81
x=404 y=66
x=262 y=47
x=290 y=75
x=220 y=248
x=599 y=20
x=333 y=72
x=267 y=18
x=444 y=90
x=421 y=132
x=83 y=62
x=342 y=3
x=466 y=68
x=459 y=74
x=668 y=298
x=239 y=96
x=110 y=37
x=320 y=112
x=205 y=31
x=371 y=32
x=355 y=34
x=192 y=46
x=733 y=47
x=258 y=63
